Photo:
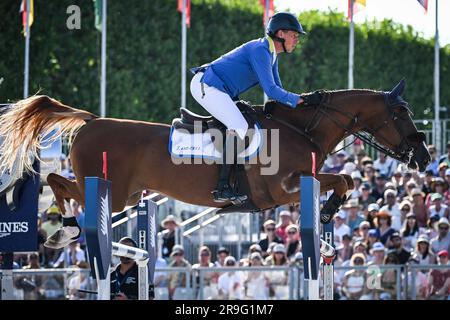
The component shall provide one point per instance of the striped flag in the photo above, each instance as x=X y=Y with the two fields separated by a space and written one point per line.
x=424 y=4
x=358 y=5
x=271 y=10
x=188 y=11
x=23 y=11
x=98 y=6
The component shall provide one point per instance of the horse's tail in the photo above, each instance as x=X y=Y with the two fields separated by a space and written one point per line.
x=24 y=125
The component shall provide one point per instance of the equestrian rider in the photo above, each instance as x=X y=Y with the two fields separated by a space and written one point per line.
x=217 y=85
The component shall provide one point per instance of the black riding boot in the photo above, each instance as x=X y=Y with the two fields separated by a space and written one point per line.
x=224 y=191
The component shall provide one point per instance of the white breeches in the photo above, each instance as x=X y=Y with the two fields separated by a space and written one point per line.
x=219 y=105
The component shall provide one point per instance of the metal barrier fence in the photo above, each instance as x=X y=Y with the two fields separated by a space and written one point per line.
x=255 y=283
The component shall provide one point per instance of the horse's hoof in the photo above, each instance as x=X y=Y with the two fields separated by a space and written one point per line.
x=62 y=237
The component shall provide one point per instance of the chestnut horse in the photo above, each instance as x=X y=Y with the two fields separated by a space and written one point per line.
x=138 y=158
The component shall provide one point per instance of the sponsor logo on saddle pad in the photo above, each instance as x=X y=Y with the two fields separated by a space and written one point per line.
x=208 y=145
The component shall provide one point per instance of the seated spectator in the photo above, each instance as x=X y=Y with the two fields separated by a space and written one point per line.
x=377 y=254
x=353 y=283
x=388 y=278
x=418 y=206
x=71 y=256
x=439 y=279
x=345 y=249
x=383 y=222
x=432 y=230
x=437 y=207
x=80 y=280
x=257 y=282
x=360 y=247
x=210 y=279
x=410 y=231
x=372 y=237
x=278 y=279
x=269 y=230
x=363 y=230
x=420 y=281
x=391 y=206
x=365 y=198
x=442 y=241
x=222 y=253
x=340 y=228
x=422 y=252
x=253 y=248
x=30 y=283
x=372 y=211
x=438 y=185
x=397 y=248
x=177 y=280
x=170 y=223
x=293 y=244
x=231 y=283
x=285 y=219
x=357 y=180
x=385 y=165
x=355 y=217
x=405 y=208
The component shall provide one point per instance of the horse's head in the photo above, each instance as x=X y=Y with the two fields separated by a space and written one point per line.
x=393 y=127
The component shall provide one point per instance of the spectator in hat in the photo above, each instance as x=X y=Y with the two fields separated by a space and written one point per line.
x=285 y=219
x=372 y=211
x=353 y=283
x=405 y=208
x=426 y=184
x=170 y=224
x=437 y=207
x=410 y=231
x=345 y=249
x=340 y=228
x=49 y=227
x=418 y=206
x=355 y=217
x=231 y=283
x=278 y=256
x=372 y=237
x=363 y=230
x=256 y=282
x=442 y=241
x=391 y=206
x=377 y=254
x=422 y=252
x=383 y=222
x=433 y=166
x=438 y=185
x=222 y=254
x=439 y=279
x=397 y=248
x=245 y=262
x=385 y=165
x=269 y=230
x=365 y=198
x=431 y=229
x=278 y=279
x=209 y=278
x=177 y=280
x=442 y=168
x=410 y=186
x=357 y=181
x=293 y=240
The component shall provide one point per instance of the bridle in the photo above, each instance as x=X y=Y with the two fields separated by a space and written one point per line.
x=403 y=151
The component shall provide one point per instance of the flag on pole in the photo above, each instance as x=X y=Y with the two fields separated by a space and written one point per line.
x=271 y=10
x=23 y=10
x=98 y=5
x=188 y=11
x=424 y=4
x=358 y=5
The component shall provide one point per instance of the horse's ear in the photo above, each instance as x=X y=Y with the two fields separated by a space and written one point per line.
x=398 y=89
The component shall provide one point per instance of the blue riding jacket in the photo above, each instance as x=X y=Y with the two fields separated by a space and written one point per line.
x=254 y=62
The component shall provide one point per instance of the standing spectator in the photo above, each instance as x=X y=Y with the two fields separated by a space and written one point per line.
x=439 y=279
x=231 y=283
x=383 y=222
x=422 y=252
x=269 y=230
x=285 y=219
x=398 y=250
x=178 y=280
x=385 y=165
x=355 y=217
x=392 y=207
x=433 y=166
x=170 y=224
x=437 y=207
x=340 y=228
x=410 y=232
x=418 y=207
x=442 y=241
x=222 y=254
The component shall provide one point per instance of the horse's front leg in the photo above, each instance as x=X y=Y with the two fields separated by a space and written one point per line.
x=338 y=183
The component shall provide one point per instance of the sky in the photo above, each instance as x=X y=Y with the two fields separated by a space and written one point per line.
x=400 y=11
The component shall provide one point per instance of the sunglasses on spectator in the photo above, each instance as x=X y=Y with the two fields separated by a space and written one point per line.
x=230 y=263
x=406 y=209
x=365 y=228
x=443 y=228
x=204 y=254
x=359 y=261
x=270 y=229
x=292 y=232
x=177 y=254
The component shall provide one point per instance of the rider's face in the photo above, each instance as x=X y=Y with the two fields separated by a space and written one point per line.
x=291 y=39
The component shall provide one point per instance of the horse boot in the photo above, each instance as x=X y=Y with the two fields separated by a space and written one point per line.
x=68 y=233
x=224 y=191
x=331 y=207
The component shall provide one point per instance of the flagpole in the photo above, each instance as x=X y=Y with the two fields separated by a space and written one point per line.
x=351 y=48
x=266 y=13
x=27 y=52
x=183 y=55
x=103 y=75
x=436 y=86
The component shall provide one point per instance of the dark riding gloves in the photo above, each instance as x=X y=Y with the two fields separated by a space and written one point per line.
x=311 y=99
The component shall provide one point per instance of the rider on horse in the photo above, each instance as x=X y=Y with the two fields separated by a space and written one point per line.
x=217 y=85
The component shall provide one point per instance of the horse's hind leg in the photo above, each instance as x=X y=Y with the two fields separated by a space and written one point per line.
x=64 y=190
